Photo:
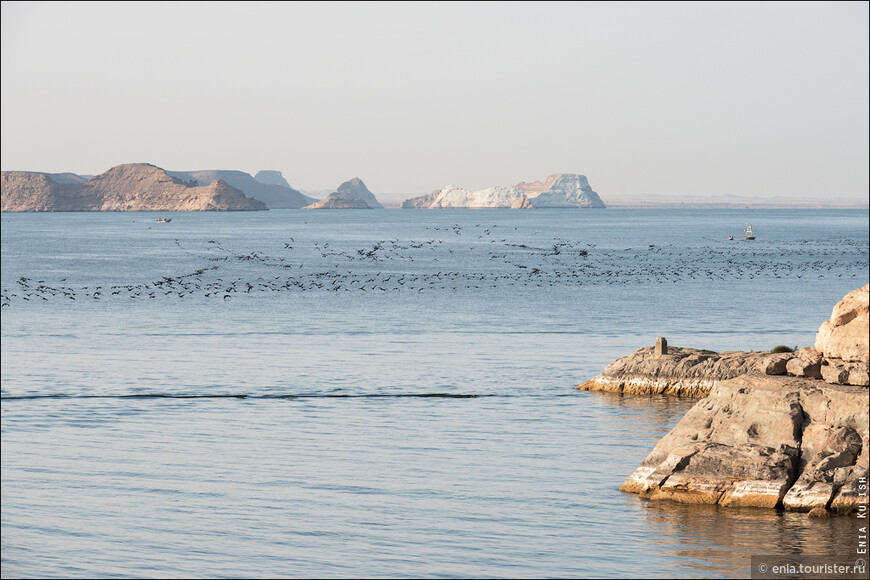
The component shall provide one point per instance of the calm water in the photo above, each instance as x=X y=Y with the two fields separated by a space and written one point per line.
x=385 y=393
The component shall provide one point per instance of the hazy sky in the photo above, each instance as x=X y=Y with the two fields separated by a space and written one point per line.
x=684 y=99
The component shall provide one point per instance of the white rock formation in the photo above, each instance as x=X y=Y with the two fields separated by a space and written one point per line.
x=455 y=196
x=558 y=190
x=566 y=190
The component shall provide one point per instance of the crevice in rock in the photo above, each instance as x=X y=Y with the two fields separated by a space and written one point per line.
x=798 y=462
x=837 y=487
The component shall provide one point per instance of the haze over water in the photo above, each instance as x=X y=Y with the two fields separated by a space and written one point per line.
x=383 y=393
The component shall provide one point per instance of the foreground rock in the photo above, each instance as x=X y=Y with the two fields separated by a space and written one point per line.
x=558 y=190
x=760 y=438
x=351 y=194
x=764 y=441
x=844 y=340
x=131 y=187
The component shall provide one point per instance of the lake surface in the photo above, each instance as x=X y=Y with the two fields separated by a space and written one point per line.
x=383 y=393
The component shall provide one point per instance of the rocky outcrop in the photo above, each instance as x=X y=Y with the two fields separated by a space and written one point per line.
x=845 y=336
x=533 y=188
x=840 y=357
x=273 y=195
x=558 y=190
x=686 y=372
x=131 y=187
x=691 y=372
x=561 y=190
x=351 y=194
x=20 y=191
x=843 y=341
x=339 y=201
x=454 y=196
x=770 y=433
x=522 y=203
x=355 y=188
x=421 y=201
x=764 y=441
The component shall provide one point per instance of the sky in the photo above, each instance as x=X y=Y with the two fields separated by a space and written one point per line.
x=677 y=100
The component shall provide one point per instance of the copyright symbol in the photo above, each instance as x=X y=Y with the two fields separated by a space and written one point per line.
x=762 y=568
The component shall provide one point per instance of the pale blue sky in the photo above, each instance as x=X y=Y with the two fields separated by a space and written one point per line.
x=767 y=100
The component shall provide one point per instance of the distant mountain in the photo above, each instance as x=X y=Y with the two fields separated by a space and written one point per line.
x=351 y=194
x=61 y=177
x=68 y=177
x=558 y=190
x=339 y=201
x=272 y=177
x=129 y=187
x=315 y=195
x=275 y=196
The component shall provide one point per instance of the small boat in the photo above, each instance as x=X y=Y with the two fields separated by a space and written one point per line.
x=748 y=235
x=164 y=220
x=730 y=237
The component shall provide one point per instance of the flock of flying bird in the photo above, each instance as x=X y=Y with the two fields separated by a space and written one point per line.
x=458 y=259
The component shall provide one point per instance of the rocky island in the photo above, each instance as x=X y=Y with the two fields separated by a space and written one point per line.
x=270 y=187
x=129 y=187
x=351 y=194
x=774 y=430
x=558 y=190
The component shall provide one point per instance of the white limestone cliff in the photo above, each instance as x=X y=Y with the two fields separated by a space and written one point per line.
x=566 y=190
x=558 y=190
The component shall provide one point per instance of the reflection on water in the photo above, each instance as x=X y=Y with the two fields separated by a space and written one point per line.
x=720 y=541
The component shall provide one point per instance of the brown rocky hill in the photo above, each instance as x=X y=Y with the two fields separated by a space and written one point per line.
x=129 y=187
x=351 y=194
x=339 y=201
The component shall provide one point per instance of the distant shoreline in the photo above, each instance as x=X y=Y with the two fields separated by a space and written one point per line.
x=714 y=205
x=388 y=206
